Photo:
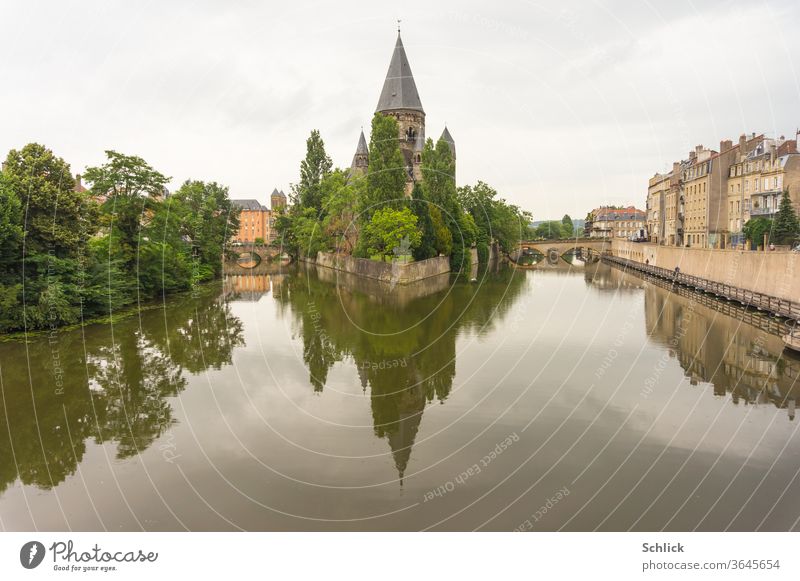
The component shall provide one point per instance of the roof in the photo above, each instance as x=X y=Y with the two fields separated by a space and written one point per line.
x=275 y=192
x=252 y=205
x=362 y=145
x=609 y=214
x=449 y=139
x=399 y=89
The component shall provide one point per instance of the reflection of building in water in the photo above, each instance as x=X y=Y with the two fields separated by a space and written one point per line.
x=603 y=277
x=729 y=352
x=250 y=287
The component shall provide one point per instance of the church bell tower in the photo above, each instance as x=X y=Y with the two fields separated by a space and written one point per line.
x=400 y=99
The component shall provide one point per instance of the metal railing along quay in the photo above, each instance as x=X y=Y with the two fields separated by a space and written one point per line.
x=760 y=301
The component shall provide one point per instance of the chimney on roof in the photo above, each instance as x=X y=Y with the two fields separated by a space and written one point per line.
x=742 y=143
x=725 y=145
x=692 y=155
x=78 y=182
x=698 y=148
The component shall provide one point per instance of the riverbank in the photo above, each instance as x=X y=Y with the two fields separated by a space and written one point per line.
x=120 y=315
x=775 y=274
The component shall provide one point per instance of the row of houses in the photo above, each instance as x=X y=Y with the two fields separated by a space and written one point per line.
x=707 y=198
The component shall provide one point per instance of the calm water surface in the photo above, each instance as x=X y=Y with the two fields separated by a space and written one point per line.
x=543 y=399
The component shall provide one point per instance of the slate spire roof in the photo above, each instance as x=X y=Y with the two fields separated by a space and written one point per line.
x=450 y=141
x=399 y=90
x=362 y=145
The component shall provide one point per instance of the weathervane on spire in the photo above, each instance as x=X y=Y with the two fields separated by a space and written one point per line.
x=398 y=25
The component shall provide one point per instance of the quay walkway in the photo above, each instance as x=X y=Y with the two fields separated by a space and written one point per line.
x=760 y=301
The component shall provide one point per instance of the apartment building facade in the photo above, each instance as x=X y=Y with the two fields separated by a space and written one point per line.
x=707 y=198
x=254 y=222
x=756 y=182
x=607 y=222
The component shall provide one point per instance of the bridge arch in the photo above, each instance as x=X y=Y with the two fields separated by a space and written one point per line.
x=552 y=251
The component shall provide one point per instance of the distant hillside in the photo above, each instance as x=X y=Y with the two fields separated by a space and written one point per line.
x=576 y=222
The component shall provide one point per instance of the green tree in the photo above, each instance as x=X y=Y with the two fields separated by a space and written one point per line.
x=208 y=220
x=386 y=177
x=550 y=230
x=567 y=228
x=786 y=227
x=308 y=234
x=439 y=184
x=443 y=238
x=131 y=189
x=10 y=231
x=755 y=228
x=56 y=224
x=390 y=230
x=421 y=207
x=339 y=199
x=57 y=219
x=313 y=170
x=495 y=218
x=10 y=253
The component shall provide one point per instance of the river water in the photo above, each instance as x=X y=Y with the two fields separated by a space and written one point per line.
x=562 y=398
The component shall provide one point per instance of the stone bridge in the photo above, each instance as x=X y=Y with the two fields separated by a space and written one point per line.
x=250 y=257
x=554 y=250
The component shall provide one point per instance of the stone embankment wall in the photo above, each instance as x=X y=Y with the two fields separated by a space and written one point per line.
x=389 y=272
x=775 y=273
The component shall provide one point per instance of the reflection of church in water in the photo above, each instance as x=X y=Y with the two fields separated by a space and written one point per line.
x=408 y=360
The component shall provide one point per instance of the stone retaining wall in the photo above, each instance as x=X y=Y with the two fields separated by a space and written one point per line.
x=390 y=272
x=775 y=273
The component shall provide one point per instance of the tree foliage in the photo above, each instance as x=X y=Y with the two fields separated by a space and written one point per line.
x=313 y=170
x=422 y=210
x=392 y=231
x=567 y=228
x=68 y=255
x=386 y=177
x=756 y=228
x=786 y=228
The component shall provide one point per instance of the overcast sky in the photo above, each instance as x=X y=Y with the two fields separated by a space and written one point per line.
x=561 y=106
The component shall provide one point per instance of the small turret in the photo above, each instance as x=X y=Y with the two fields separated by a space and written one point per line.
x=361 y=157
x=450 y=141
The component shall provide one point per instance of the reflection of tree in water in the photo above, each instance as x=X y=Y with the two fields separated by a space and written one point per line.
x=112 y=386
x=402 y=342
x=719 y=343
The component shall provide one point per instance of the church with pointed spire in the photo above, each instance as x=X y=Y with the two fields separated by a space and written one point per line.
x=400 y=99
